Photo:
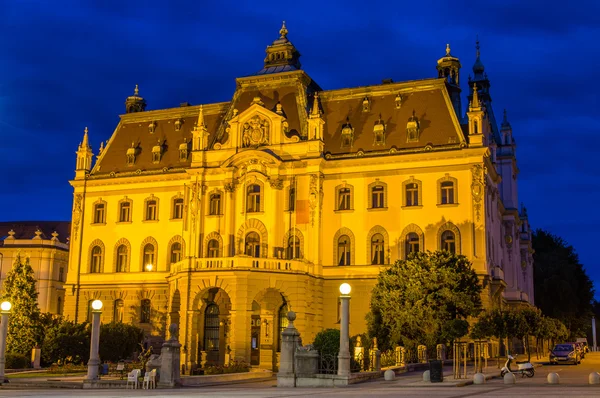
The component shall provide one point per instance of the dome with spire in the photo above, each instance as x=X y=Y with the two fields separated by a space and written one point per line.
x=478 y=67
x=448 y=67
x=282 y=56
x=135 y=103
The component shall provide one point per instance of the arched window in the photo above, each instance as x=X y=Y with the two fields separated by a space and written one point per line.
x=411 y=244
x=448 y=242
x=96 y=265
x=344 y=249
x=253 y=245
x=213 y=248
x=59 y=306
x=253 y=199
x=118 y=311
x=283 y=323
x=149 y=258
x=146 y=309
x=175 y=252
x=292 y=199
x=377 y=250
x=215 y=204
x=447 y=192
x=412 y=194
x=122 y=254
x=211 y=328
x=293 y=248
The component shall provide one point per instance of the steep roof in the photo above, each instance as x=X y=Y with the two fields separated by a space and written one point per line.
x=27 y=229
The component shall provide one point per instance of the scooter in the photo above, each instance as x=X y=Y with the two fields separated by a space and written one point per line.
x=525 y=368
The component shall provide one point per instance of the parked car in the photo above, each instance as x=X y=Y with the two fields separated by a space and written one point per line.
x=566 y=352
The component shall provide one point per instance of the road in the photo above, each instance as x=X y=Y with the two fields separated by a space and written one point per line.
x=573 y=384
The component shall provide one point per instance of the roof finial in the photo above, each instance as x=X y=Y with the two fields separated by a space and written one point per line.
x=85 y=143
x=477 y=45
x=283 y=31
x=315 y=111
x=448 y=50
x=136 y=90
x=475 y=102
x=200 y=123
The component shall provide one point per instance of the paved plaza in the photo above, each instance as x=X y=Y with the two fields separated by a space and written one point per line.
x=573 y=384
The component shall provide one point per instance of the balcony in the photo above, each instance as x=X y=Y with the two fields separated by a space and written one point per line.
x=243 y=263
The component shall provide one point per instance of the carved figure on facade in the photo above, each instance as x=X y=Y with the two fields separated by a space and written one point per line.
x=477 y=188
x=76 y=215
x=195 y=193
x=255 y=132
x=276 y=183
x=231 y=185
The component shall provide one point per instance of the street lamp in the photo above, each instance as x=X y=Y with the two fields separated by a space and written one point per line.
x=149 y=267
x=5 y=307
x=94 y=361
x=344 y=354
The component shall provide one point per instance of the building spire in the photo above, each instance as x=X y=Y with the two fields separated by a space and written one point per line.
x=448 y=50
x=85 y=143
x=283 y=32
x=315 y=111
x=478 y=67
x=200 y=123
x=475 y=102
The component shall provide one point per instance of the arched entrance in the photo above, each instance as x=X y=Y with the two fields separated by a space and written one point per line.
x=210 y=329
x=265 y=330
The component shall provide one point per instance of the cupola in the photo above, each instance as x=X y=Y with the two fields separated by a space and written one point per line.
x=135 y=103
x=282 y=56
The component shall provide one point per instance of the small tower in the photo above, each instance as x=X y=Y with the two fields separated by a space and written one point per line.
x=282 y=56
x=476 y=116
x=315 y=120
x=84 y=157
x=200 y=133
x=480 y=78
x=448 y=68
x=506 y=131
x=135 y=103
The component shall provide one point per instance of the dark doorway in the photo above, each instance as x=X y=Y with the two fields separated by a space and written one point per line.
x=211 y=333
x=255 y=340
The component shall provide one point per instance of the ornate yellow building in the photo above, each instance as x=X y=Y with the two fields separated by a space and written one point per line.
x=223 y=216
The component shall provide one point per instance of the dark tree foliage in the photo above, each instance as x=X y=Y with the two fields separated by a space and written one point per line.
x=562 y=288
x=119 y=340
x=66 y=342
x=24 y=331
x=426 y=299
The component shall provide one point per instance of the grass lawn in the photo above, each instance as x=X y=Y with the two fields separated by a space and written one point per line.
x=27 y=375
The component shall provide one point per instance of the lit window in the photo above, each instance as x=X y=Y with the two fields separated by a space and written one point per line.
x=344 y=199
x=122 y=254
x=215 y=204
x=377 y=250
x=99 y=212
x=449 y=241
x=178 y=209
x=125 y=212
x=253 y=245
x=412 y=194
x=213 y=248
x=412 y=244
x=253 y=199
x=447 y=188
x=175 y=252
x=377 y=197
x=149 y=256
x=151 y=207
x=145 y=311
x=96 y=260
x=293 y=248
x=344 y=250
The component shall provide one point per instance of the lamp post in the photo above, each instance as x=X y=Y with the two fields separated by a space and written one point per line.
x=94 y=361
x=5 y=307
x=344 y=354
x=594 y=347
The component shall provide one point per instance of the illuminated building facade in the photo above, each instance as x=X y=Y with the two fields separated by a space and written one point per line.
x=223 y=216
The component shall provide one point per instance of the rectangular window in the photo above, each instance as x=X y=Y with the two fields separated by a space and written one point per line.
x=412 y=194
x=125 y=212
x=178 y=209
x=61 y=274
x=447 y=188
x=344 y=199
x=253 y=199
x=151 y=210
x=215 y=204
x=99 y=214
x=377 y=197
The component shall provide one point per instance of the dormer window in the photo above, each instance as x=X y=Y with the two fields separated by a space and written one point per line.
x=131 y=155
x=183 y=151
x=156 y=153
x=151 y=127
x=178 y=124
x=366 y=105
x=347 y=134
x=379 y=132
x=413 y=129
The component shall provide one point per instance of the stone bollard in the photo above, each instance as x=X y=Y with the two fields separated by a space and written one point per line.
x=553 y=378
x=426 y=376
x=594 y=378
x=478 y=378
x=389 y=375
x=290 y=340
x=509 y=378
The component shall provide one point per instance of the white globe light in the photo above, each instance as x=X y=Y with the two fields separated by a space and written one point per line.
x=97 y=305
x=345 y=289
x=6 y=306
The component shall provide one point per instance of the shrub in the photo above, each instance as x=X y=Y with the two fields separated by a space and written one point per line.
x=66 y=342
x=233 y=367
x=17 y=361
x=119 y=340
x=327 y=342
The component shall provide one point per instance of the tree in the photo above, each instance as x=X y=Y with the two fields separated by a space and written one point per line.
x=558 y=273
x=24 y=331
x=424 y=300
x=119 y=340
x=66 y=342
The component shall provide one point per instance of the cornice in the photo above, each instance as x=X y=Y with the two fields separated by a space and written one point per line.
x=383 y=89
x=171 y=113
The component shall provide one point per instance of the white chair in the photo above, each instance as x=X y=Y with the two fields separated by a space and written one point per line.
x=132 y=377
x=150 y=380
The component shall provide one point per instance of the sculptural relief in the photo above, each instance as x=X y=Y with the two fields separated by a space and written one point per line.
x=255 y=132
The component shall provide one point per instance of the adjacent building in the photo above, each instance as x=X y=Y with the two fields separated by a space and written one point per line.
x=222 y=217
x=46 y=245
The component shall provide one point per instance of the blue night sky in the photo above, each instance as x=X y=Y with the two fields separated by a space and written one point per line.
x=65 y=65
